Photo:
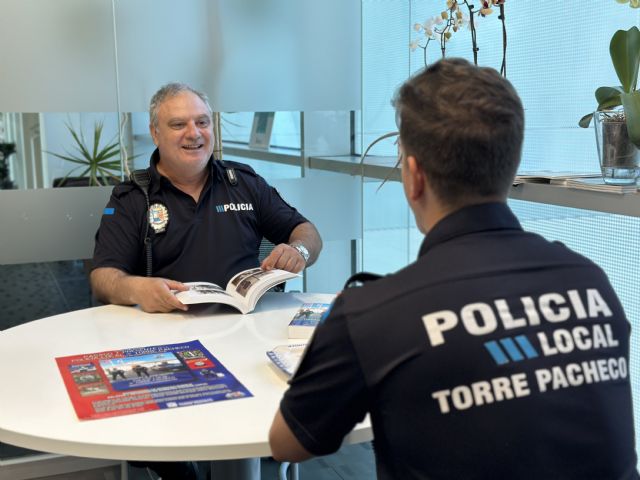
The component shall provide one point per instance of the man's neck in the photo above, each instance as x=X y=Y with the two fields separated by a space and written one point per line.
x=190 y=183
x=434 y=210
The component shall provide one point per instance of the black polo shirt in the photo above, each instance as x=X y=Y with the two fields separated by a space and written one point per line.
x=496 y=355
x=209 y=240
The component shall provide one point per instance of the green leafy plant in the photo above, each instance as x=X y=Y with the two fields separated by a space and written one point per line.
x=98 y=164
x=625 y=56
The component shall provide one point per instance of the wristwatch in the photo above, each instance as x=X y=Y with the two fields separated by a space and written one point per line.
x=302 y=250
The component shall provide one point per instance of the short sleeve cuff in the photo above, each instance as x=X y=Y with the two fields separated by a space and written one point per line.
x=306 y=439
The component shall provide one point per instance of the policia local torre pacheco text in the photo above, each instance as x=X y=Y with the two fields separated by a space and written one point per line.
x=587 y=330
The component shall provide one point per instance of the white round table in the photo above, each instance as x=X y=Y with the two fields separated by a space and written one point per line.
x=36 y=412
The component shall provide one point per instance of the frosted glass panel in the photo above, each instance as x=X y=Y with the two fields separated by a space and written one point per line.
x=57 y=56
x=161 y=41
x=287 y=55
x=50 y=224
x=247 y=55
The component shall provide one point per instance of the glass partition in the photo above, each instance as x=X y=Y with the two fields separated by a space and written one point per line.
x=327 y=72
x=93 y=67
x=555 y=59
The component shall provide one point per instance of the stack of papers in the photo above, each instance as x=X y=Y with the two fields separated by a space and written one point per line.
x=547 y=176
x=287 y=357
x=595 y=185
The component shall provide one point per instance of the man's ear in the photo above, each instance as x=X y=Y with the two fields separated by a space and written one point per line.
x=415 y=179
x=152 y=131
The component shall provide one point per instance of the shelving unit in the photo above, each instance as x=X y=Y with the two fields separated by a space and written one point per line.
x=384 y=168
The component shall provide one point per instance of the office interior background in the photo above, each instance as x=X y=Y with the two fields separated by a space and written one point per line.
x=328 y=71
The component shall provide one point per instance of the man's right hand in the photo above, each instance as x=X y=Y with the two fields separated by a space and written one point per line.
x=111 y=285
x=155 y=294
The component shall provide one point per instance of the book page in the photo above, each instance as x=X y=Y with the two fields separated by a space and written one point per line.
x=204 y=292
x=249 y=285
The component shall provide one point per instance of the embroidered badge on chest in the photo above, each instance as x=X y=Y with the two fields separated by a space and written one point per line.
x=158 y=217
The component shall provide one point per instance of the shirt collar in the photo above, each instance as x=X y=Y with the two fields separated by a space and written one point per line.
x=472 y=219
x=157 y=179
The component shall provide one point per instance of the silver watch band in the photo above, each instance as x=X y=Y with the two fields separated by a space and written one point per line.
x=302 y=250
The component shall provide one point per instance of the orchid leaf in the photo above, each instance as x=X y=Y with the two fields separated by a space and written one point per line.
x=625 y=55
x=586 y=120
x=631 y=104
x=608 y=97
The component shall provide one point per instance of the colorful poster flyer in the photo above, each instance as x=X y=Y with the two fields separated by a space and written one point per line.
x=135 y=380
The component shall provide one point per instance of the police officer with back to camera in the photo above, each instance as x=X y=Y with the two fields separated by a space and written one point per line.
x=190 y=218
x=496 y=354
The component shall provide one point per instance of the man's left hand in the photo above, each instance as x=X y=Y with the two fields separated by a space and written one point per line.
x=284 y=257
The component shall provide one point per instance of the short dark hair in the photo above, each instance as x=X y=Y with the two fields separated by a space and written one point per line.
x=464 y=125
x=171 y=90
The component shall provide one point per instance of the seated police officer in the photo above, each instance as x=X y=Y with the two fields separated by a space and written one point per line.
x=201 y=220
x=190 y=218
x=497 y=354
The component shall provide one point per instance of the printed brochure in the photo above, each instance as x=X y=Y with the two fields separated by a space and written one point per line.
x=306 y=319
x=135 y=380
x=243 y=290
x=287 y=357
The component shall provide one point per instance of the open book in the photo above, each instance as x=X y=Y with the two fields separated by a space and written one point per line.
x=243 y=290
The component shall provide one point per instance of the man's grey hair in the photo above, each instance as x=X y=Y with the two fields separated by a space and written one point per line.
x=171 y=90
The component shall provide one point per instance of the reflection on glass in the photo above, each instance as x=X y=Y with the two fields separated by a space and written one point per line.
x=52 y=149
x=65 y=149
x=236 y=128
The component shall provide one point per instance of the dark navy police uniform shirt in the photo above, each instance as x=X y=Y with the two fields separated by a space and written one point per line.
x=210 y=240
x=496 y=355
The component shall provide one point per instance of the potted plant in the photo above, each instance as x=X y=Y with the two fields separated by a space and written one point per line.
x=617 y=116
x=96 y=165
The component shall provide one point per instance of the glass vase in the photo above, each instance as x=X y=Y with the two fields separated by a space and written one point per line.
x=619 y=158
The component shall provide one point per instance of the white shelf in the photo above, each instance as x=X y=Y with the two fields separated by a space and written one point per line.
x=627 y=204
x=384 y=167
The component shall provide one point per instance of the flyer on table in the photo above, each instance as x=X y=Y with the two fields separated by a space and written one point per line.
x=135 y=380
